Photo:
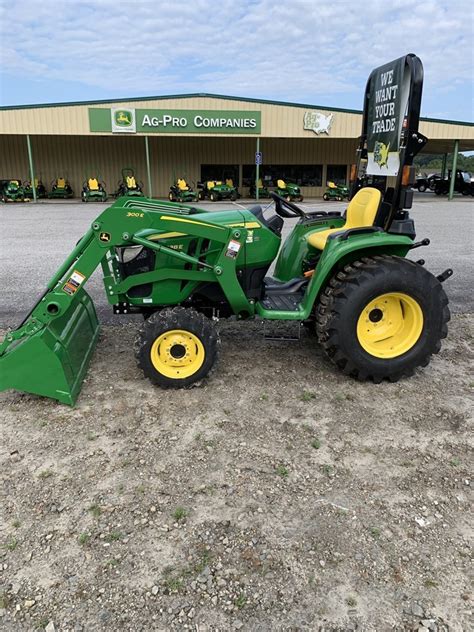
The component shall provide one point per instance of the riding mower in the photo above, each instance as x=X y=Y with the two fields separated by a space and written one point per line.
x=180 y=191
x=376 y=314
x=262 y=190
x=336 y=192
x=216 y=190
x=60 y=188
x=289 y=191
x=129 y=186
x=14 y=192
x=39 y=187
x=93 y=190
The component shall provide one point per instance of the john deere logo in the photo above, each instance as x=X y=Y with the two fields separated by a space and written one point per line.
x=123 y=120
x=381 y=151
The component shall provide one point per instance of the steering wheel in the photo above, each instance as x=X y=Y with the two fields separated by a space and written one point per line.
x=286 y=209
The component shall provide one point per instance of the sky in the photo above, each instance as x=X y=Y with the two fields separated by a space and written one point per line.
x=318 y=52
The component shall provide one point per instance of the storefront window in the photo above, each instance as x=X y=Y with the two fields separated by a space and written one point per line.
x=220 y=172
x=303 y=175
x=337 y=174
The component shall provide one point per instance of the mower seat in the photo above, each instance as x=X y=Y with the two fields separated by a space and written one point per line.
x=281 y=184
x=331 y=185
x=182 y=186
x=61 y=183
x=360 y=213
x=210 y=184
x=131 y=182
x=93 y=184
x=229 y=182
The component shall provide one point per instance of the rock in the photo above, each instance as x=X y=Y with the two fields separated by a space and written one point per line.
x=237 y=624
x=29 y=603
x=154 y=590
x=416 y=610
x=50 y=627
x=191 y=613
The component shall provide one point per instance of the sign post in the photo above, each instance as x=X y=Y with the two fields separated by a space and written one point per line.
x=258 y=162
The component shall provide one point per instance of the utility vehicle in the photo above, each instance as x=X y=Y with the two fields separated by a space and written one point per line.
x=216 y=190
x=376 y=314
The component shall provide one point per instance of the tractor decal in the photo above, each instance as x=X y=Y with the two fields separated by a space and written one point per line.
x=123 y=118
x=381 y=151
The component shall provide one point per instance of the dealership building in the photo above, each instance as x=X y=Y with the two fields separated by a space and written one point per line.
x=198 y=136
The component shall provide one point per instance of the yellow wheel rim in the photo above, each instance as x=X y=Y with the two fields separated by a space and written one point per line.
x=390 y=325
x=177 y=354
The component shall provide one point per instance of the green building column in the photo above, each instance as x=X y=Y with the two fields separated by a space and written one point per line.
x=32 y=170
x=148 y=169
x=453 y=169
x=257 y=170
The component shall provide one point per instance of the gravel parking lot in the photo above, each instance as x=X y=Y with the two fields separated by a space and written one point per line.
x=278 y=496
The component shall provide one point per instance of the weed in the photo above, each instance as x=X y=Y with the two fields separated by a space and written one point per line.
x=375 y=532
x=351 y=602
x=44 y=474
x=16 y=523
x=141 y=489
x=240 y=601
x=95 y=510
x=4 y=600
x=307 y=396
x=173 y=584
x=264 y=397
x=282 y=471
x=11 y=544
x=112 y=563
x=455 y=462
x=316 y=444
x=113 y=536
x=84 y=538
x=327 y=469
x=120 y=488
x=91 y=436
x=179 y=513
x=430 y=583
x=204 y=561
x=339 y=397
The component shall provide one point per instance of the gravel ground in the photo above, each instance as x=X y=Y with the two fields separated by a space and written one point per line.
x=278 y=496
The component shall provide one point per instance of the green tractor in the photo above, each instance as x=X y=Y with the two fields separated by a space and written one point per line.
x=180 y=191
x=13 y=192
x=129 y=186
x=337 y=192
x=288 y=191
x=262 y=190
x=93 y=190
x=376 y=314
x=39 y=186
x=217 y=190
x=60 y=188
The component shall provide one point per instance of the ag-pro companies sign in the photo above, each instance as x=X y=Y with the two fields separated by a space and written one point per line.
x=130 y=120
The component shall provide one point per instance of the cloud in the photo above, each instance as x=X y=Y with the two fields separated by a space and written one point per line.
x=303 y=50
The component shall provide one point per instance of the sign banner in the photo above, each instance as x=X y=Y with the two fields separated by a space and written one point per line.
x=147 y=121
x=388 y=98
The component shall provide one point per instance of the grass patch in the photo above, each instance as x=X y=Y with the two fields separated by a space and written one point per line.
x=375 y=532
x=316 y=444
x=430 y=583
x=455 y=462
x=351 y=602
x=44 y=474
x=84 y=539
x=90 y=436
x=11 y=544
x=282 y=471
x=307 y=396
x=327 y=469
x=179 y=514
x=113 y=536
x=16 y=523
x=4 y=600
x=240 y=601
x=95 y=510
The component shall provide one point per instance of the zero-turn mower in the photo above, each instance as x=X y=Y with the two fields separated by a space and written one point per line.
x=39 y=186
x=336 y=192
x=93 y=190
x=13 y=192
x=262 y=190
x=180 y=191
x=128 y=185
x=217 y=190
x=289 y=191
x=376 y=314
x=60 y=188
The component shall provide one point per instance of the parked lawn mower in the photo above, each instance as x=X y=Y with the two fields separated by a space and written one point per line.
x=13 y=192
x=217 y=190
x=93 y=190
x=39 y=186
x=60 y=188
x=336 y=192
x=180 y=191
x=262 y=190
x=376 y=314
x=128 y=185
x=289 y=191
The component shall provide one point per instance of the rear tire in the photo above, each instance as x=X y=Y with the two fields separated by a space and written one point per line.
x=422 y=188
x=406 y=301
x=233 y=196
x=213 y=197
x=325 y=197
x=175 y=348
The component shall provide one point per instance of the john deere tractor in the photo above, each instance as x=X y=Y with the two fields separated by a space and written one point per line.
x=13 y=192
x=180 y=191
x=93 y=190
x=336 y=192
x=128 y=185
x=376 y=314
x=217 y=190
x=60 y=188
x=289 y=191
x=39 y=186
x=262 y=190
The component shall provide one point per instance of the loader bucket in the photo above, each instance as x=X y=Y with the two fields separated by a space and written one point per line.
x=53 y=361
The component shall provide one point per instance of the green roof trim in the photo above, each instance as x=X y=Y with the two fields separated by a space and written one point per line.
x=211 y=96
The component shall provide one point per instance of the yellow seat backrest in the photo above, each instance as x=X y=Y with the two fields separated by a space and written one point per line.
x=15 y=183
x=331 y=185
x=217 y=182
x=93 y=184
x=363 y=208
x=210 y=184
x=281 y=184
x=36 y=182
x=61 y=183
x=131 y=182
x=229 y=182
x=259 y=183
x=182 y=186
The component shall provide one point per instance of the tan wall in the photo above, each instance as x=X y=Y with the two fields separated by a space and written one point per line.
x=169 y=157
x=278 y=121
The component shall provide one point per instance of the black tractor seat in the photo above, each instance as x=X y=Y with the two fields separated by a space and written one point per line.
x=274 y=223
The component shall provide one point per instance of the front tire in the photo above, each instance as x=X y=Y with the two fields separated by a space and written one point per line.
x=382 y=317
x=177 y=347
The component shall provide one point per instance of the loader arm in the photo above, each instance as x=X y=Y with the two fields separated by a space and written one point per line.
x=48 y=354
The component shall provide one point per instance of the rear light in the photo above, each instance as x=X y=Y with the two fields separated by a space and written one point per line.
x=353 y=173
x=408 y=175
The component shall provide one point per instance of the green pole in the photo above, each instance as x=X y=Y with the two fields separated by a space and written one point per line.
x=32 y=171
x=148 y=170
x=453 y=169
x=443 y=166
x=257 y=171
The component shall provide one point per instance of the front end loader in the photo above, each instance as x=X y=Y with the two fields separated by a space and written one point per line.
x=376 y=314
